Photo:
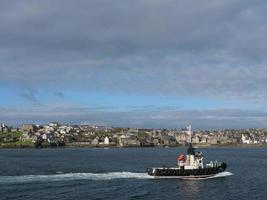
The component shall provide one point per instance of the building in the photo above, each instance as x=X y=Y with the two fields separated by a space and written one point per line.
x=128 y=141
x=29 y=128
x=106 y=140
x=53 y=124
x=168 y=141
x=2 y=127
x=95 y=141
x=245 y=140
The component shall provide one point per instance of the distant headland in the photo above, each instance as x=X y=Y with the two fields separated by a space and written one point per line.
x=54 y=134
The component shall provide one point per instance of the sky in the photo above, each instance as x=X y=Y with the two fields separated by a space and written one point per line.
x=142 y=63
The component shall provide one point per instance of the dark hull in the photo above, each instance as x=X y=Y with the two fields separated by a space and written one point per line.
x=204 y=172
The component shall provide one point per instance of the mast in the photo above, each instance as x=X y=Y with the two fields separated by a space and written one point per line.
x=191 y=150
x=189 y=128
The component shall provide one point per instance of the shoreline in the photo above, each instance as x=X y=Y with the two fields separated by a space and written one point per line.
x=114 y=146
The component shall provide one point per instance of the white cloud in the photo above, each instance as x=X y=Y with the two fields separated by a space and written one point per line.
x=213 y=49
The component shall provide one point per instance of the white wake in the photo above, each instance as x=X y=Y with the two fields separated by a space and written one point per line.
x=89 y=176
x=73 y=176
x=222 y=174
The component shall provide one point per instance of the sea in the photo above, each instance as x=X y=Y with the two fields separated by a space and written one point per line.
x=120 y=173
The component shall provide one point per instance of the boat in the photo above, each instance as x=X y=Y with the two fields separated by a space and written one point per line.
x=190 y=166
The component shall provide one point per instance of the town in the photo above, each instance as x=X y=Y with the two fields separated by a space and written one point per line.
x=56 y=135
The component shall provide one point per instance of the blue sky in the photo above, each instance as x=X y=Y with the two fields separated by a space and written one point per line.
x=134 y=63
x=117 y=101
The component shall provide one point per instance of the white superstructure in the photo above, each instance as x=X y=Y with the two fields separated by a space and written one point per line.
x=193 y=160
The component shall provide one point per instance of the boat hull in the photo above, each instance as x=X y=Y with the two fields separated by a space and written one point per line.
x=176 y=172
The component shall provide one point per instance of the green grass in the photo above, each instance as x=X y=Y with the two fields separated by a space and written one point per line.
x=17 y=144
x=10 y=137
x=11 y=134
x=11 y=140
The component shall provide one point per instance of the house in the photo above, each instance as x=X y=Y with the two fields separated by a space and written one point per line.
x=245 y=140
x=146 y=143
x=29 y=128
x=203 y=139
x=128 y=141
x=183 y=137
x=53 y=124
x=156 y=141
x=106 y=140
x=95 y=141
x=2 y=125
x=44 y=136
x=212 y=140
x=196 y=140
x=168 y=141
x=5 y=129
x=28 y=137
x=48 y=129
x=25 y=137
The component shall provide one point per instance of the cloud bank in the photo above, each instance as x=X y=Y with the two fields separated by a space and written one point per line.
x=208 y=49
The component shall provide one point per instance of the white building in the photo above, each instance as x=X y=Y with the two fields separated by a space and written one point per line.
x=106 y=140
x=53 y=124
x=245 y=140
x=44 y=136
x=95 y=141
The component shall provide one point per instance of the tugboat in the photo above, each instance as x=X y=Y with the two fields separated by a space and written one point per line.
x=189 y=167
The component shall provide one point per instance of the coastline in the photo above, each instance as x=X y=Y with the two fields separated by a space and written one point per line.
x=15 y=146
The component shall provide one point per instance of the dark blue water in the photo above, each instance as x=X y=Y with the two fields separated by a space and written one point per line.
x=84 y=173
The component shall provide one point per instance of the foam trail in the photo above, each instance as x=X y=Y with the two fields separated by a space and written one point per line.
x=60 y=176
x=73 y=176
x=222 y=174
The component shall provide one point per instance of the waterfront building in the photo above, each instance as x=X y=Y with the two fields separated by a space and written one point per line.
x=106 y=140
x=95 y=141
x=245 y=140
